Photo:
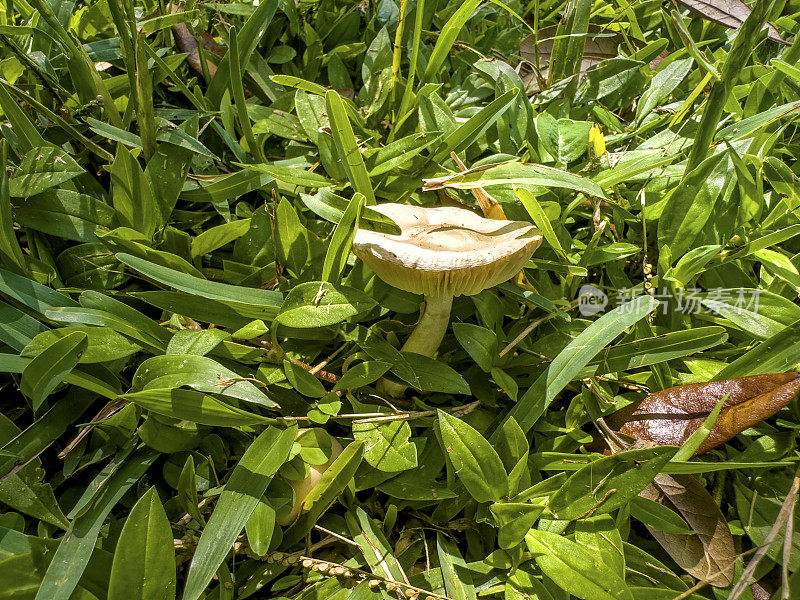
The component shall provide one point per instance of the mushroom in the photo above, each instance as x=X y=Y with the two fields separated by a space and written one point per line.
x=441 y=253
x=302 y=487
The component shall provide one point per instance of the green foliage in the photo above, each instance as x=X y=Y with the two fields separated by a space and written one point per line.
x=189 y=350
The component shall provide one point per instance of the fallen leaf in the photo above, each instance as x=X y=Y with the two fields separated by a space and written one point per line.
x=186 y=41
x=600 y=45
x=670 y=416
x=730 y=13
x=710 y=554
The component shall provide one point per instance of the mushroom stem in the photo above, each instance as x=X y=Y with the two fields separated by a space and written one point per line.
x=425 y=338
x=430 y=329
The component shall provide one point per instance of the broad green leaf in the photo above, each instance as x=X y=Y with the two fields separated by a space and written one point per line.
x=515 y=173
x=49 y=368
x=23 y=490
x=217 y=237
x=200 y=373
x=317 y=304
x=296 y=248
x=691 y=264
x=656 y=515
x=65 y=214
x=386 y=445
x=661 y=86
x=18 y=329
x=421 y=372
x=575 y=569
x=481 y=343
x=474 y=459
x=144 y=561
x=362 y=374
x=191 y=405
x=32 y=294
x=132 y=195
x=599 y=534
x=608 y=483
x=514 y=520
x=41 y=169
x=302 y=381
x=691 y=204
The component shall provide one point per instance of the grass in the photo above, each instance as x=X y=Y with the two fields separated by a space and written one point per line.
x=184 y=330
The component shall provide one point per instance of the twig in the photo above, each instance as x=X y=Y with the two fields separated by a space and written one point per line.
x=787 y=549
x=109 y=409
x=456 y=412
x=277 y=356
x=316 y=368
x=531 y=327
x=786 y=512
x=338 y=570
x=398 y=416
x=697 y=586
x=336 y=535
x=185 y=519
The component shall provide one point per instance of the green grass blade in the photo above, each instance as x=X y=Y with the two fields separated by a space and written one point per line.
x=734 y=64
x=251 y=34
x=447 y=37
x=243 y=491
x=475 y=126
x=575 y=357
x=342 y=240
x=237 y=91
x=347 y=146
x=570 y=40
x=78 y=543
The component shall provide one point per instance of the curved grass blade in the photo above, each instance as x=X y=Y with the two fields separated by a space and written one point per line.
x=347 y=146
x=242 y=492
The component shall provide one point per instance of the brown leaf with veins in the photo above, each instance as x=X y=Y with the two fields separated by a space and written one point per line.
x=730 y=13
x=188 y=43
x=670 y=416
x=710 y=555
x=600 y=45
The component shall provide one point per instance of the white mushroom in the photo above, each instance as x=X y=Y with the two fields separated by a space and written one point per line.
x=441 y=253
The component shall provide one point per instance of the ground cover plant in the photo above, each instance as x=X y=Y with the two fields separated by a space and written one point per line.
x=205 y=391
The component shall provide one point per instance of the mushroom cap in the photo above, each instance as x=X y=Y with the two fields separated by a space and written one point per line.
x=445 y=250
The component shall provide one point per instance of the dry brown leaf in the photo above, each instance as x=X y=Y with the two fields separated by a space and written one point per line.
x=730 y=13
x=188 y=43
x=670 y=416
x=600 y=45
x=709 y=555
